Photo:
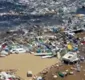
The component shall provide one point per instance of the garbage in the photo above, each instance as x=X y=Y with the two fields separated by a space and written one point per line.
x=29 y=74
x=55 y=30
x=39 y=78
x=70 y=57
x=34 y=77
x=82 y=58
x=78 y=68
x=8 y=75
x=58 y=55
x=71 y=73
x=57 y=65
x=38 y=51
x=47 y=41
x=17 y=50
x=67 y=70
x=48 y=45
x=55 y=76
x=83 y=42
x=49 y=56
x=75 y=49
x=4 y=53
x=65 y=73
x=61 y=74
x=69 y=46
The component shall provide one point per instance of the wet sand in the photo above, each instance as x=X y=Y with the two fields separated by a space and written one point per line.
x=24 y=63
x=76 y=76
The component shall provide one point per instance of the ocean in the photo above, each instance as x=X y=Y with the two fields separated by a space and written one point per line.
x=25 y=19
x=9 y=21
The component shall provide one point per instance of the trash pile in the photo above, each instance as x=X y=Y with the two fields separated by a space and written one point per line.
x=50 y=42
x=9 y=75
x=62 y=71
x=39 y=7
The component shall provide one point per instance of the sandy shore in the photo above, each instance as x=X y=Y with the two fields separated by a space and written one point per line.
x=25 y=62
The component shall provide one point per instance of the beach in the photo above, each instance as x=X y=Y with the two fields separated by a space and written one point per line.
x=76 y=76
x=25 y=62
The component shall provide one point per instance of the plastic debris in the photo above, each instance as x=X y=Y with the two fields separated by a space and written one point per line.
x=29 y=74
x=55 y=76
x=5 y=75
x=71 y=73
x=61 y=74
x=78 y=68
x=69 y=46
x=39 y=78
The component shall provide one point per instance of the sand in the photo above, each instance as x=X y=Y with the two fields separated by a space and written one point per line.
x=25 y=62
x=77 y=75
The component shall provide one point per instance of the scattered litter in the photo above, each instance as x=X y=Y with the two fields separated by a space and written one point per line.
x=49 y=42
x=65 y=73
x=67 y=70
x=71 y=73
x=78 y=67
x=8 y=75
x=61 y=74
x=55 y=76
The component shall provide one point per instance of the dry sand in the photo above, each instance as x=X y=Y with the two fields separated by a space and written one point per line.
x=25 y=62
